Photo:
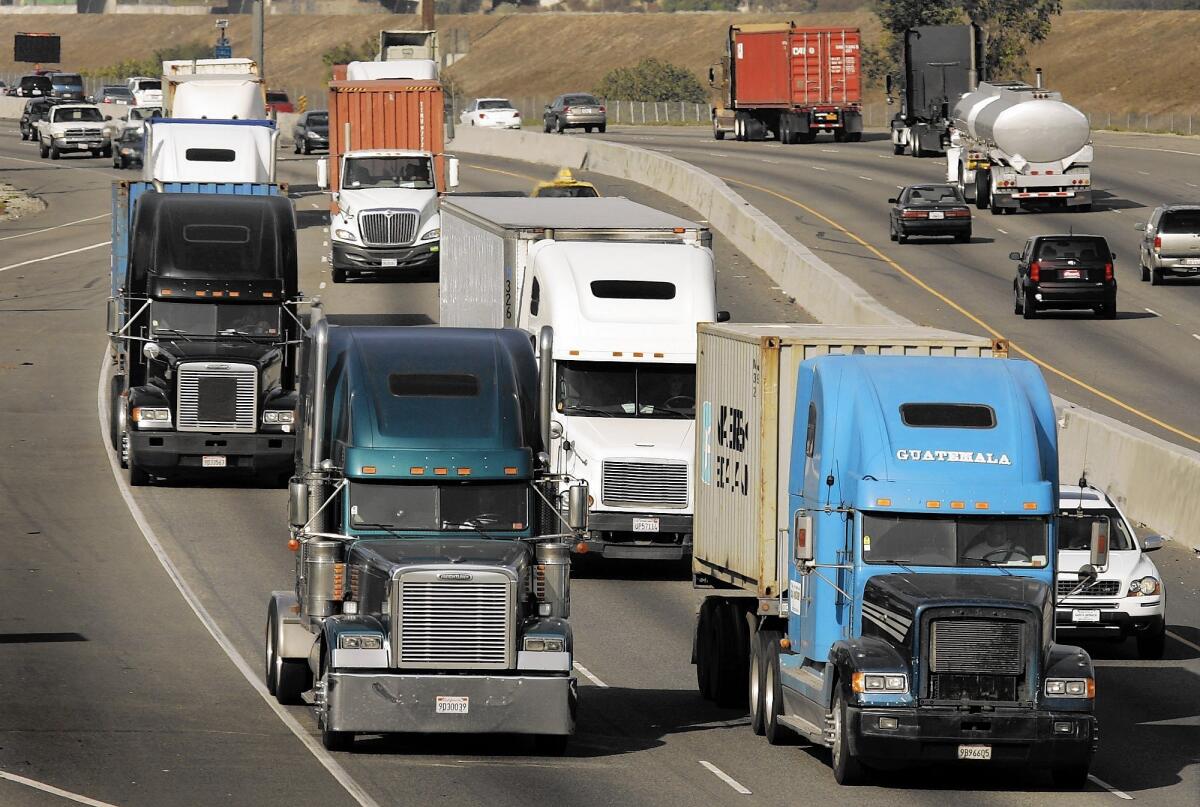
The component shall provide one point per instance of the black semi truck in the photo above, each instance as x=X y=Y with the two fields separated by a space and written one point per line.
x=939 y=63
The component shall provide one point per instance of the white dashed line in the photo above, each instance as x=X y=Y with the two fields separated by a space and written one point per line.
x=586 y=673
x=868 y=179
x=726 y=778
x=1196 y=336
x=52 y=257
x=1118 y=793
x=322 y=285
x=886 y=156
x=1192 y=185
x=1144 y=173
x=55 y=227
x=75 y=797
x=830 y=151
x=773 y=162
x=1001 y=231
x=1152 y=311
x=818 y=168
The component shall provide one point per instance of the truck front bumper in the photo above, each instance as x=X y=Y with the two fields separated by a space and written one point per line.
x=352 y=257
x=934 y=735
x=165 y=453
x=613 y=535
x=384 y=703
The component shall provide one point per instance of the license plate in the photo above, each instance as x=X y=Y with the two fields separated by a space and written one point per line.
x=210 y=461
x=1191 y=261
x=645 y=525
x=936 y=214
x=453 y=705
x=1085 y=615
x=1071 y=274
x=388 y=262
x=981 y=752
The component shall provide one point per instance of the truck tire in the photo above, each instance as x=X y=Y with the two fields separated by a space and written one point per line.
x=756 y=679
x=897 y=148
x=287 y=680
x=1070 y=777
x=339 y=274
x=718 y=132
x=704 y=647
x=733 y=656
x=983 y=188
x=54 y=152
x=839 y=135
x=115 y=427
x=785 y=129
x=550 y=745
x=43 y=152
x=772 y=690
x=854 y=137
x=847 y=769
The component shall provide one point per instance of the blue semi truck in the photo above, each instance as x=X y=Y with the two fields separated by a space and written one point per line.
x=432 y=585
x=878 y=505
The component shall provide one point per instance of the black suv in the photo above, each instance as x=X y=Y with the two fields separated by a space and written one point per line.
x=35 y=87
x=1065 y=271
x=35 y=110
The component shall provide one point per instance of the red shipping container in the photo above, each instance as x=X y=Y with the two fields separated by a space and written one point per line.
x=780 y=66
x=386 y=114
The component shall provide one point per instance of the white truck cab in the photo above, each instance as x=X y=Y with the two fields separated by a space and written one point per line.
x=1128 y=597
x=74 y=127
x=384 y=216
x=181 y=150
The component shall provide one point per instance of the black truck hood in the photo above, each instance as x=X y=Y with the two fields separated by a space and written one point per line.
x=260 y=354
x=390 y=554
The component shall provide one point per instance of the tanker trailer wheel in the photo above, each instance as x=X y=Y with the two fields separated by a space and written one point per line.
x=983 y=188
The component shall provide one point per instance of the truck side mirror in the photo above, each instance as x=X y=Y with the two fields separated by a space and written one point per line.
x=1099 y=547
x=722 y=316
x=802 y=537
x=577 y=506
x=452 y=172
x=114 y=316
x=323 y=174
x=297 y=503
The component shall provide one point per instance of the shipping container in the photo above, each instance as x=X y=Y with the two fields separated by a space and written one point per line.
x=746 y=396
x=386 y=114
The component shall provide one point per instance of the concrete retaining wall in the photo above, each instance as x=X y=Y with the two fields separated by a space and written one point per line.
x=1157 y=483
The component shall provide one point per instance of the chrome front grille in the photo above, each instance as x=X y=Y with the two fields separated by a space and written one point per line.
x=977 y=646
x=388 y=228
x=454 y=619
x=216 y=397
x=1101 y=588
x=651 y=484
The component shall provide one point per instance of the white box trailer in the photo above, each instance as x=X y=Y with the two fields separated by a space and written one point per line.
x=486 y=242
x=745 y=398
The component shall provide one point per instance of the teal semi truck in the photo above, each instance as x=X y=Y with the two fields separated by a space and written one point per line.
x=432 y=584
x=876 y=507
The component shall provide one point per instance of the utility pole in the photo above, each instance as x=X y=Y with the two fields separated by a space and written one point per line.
x=427 y=21
x=257 y=40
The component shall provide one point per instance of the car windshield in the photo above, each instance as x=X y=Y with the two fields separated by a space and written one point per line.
x=212 y=319
x=1072 y=248
x=1181 y=221
x=1075 y=529
x=319 y=119
x=460 y=506
x=923 y=540
x=581 y=100
x=388 y=172
x=626 y=389
x=567 y=192
x=131 y=137
x=78 y=115
x=495 y=103
x=277 y=98
x=932 y=195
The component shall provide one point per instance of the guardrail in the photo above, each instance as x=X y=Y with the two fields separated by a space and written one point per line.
x=1155 y=482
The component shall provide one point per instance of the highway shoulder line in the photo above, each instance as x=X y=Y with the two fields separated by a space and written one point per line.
x=52 y=790
x=339 y=773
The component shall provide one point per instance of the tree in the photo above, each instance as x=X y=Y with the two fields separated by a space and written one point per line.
x=700 y=5
x=152 y=65
x=651 y=80
x=348 y=52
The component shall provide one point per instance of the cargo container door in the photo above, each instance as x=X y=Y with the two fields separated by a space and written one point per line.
x=760 y=68
x=844 y=60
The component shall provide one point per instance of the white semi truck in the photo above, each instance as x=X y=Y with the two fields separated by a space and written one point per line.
x=623 y=286
x=1015 y=146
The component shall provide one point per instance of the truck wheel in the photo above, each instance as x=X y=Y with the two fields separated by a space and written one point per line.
x=287 y=680
x=337 y=740
x=339 y=275
x=137 y=476
x=847 y=769
x=116 y=423
x=1156 y=277
x=1029 y=306
x=785 y=129
x=839 y=135
x=983 y=187
x=718 y=132
x=1152 y=645
x=897 y=148
x=755 y=683
x=772 y=689
x=854 y=137
x=1070 y=777
x=733 y=656
x=704 y=647
x=550 y=745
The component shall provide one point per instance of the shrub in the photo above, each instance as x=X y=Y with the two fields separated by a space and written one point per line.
x=651 y=80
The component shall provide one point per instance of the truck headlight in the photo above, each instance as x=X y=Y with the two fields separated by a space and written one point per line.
x=882 y=683
x=432 y=234
x=147 y=417
x=1071 y=687
x=360 y=641
x=345 y=235
x=279 y=416
x=1144 y=587
x=544 y=644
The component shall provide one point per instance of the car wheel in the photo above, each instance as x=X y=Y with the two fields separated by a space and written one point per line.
x=1110 y=307
x=1145 y=273
x=306 y=148
x=1156 y=277
x=587 y=129
x=559 y=125
x=1070 y=777
x=43 y=152
x=545 y=126
x=602 y=128
x=963 y=238
x=892 y=231
x=1017 y=307
x=901 y=237
x=1029 y=306
x=295 y=146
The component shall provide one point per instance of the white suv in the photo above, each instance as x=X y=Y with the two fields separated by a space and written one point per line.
x=1127 y=598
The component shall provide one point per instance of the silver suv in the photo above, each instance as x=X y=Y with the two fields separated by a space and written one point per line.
x=1170 y=242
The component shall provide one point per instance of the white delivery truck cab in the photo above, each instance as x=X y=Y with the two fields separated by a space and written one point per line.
x=622 y=286
x=209 y=150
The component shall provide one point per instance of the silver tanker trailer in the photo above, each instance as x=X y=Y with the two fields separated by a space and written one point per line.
x=1014 y=146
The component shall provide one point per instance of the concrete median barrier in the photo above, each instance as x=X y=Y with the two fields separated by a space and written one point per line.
x=1157 y=483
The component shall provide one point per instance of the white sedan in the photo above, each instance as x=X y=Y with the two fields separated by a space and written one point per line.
x=497 y=113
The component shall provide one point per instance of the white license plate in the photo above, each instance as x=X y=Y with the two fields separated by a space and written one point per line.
x=1191 y=261
x=210 y=461
x=1071 y=274
x=645 y=525
x=453 y=705
x=388 y=262
x=982 y=752
x=1085 y=615
x=936 y=214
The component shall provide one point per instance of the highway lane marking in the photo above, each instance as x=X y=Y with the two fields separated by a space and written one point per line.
x=1147 y=148
x=589 y=676
x=52 y=257
x=1001 y=231
x=1121 y=794
x=56 y=165
x=972 y=317
x=1152 y=311
x=868 y=179
x=1196 y=335
x=1172 y=633
x=726 y=778
x=818 y=168
x=51 y=789
x=55 y=227
x=1144 y=173
x=339 y=773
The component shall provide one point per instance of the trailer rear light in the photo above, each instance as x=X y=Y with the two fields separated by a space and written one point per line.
x=1108 y=273
x=914 y=214
x=1035 y=271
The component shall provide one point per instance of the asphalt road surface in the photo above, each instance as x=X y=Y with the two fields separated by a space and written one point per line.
x=1143 y=369
x=131 y=641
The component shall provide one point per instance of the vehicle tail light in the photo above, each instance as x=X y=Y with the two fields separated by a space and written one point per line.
x=961 y=213
x=601 y=109
x=914 y=214
x=1157 y=242
x=481 y=116
x=1108 y=271
x=1035 y=271
x=566 y=110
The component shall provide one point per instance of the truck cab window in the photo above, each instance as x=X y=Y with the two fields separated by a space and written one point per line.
x=810 y=440
x=535 y=297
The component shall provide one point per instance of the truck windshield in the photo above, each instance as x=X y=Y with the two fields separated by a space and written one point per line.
x=474 y=506
x=212 y=319
x=78 y=114
x=389 y=172
x=626 y=390
x=922 y=540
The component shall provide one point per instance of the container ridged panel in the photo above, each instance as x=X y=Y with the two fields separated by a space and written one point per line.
x=825 y=66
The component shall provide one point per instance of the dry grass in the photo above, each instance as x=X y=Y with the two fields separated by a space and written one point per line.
x=1114 y=61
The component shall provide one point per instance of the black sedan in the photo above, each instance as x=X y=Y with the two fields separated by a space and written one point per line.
x=930 y=210
x=311 y=132
x=1065 y=271
x=128 y=147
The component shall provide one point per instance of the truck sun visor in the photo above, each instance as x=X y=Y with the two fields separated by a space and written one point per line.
x=948 y=416
x=438 y=385
x=210 y=155
x=633 y=289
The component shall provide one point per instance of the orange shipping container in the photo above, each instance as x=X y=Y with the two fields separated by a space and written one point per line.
x=386 y=114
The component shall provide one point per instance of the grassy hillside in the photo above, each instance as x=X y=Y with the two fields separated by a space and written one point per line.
x=1096 y=58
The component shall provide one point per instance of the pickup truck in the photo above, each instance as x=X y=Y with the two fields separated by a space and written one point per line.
x=74 y=127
